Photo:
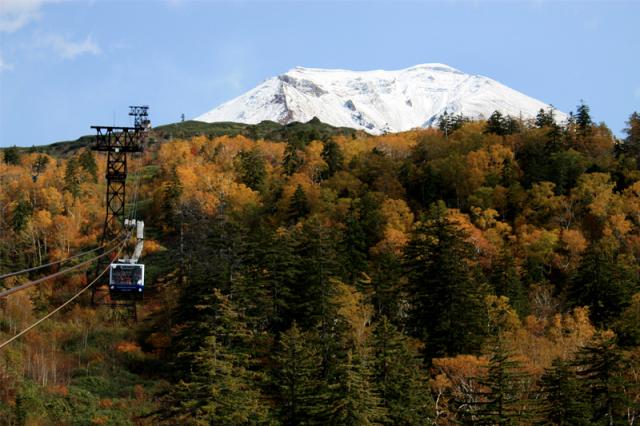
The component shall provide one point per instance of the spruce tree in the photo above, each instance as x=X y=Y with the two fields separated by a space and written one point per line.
x=633 y=129
x=506 y=281
x=298 y=205
x=386 y=272
x=511 y=125
x=251 y=168
x=311 y=305
x=88 y=163
x=270 y=270
x=39 y=166
x=72 y=177
x=600 y=367
x=354 y=400
x=216 y=381
x=503 y=403
x=333 y=156
x=399 y=377
x=449 y=123
x=446 y=291
x=605 y=281
x=496 y=124
x=11 y=155
x=545 y=119
x=583 y=119
x=217 y=385
x=565 y=401
x=418 y=177
x=293 y=159
x=444 y=123
x=170 y=200
x=296 y=375
x=21 y=215
x=353 y=245
x=628 y=325
x=631 y=144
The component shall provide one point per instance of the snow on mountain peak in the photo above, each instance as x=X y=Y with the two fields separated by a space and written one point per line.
x=375 y=101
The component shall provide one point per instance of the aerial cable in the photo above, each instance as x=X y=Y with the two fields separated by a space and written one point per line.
x=35 y=268
x=134 y=209
x=63 y=272
x=75 y=296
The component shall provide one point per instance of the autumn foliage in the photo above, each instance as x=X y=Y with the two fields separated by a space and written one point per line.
x=477 y=275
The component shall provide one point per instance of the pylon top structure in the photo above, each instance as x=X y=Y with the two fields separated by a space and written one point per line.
x=140 y=115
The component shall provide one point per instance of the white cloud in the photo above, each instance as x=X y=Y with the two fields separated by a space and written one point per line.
x=15 y=14
x=5 y=66
x=68 y=49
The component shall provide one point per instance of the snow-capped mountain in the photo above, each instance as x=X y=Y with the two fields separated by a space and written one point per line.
x=375 y=101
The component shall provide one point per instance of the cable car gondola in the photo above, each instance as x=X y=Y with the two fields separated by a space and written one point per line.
x=126 y=276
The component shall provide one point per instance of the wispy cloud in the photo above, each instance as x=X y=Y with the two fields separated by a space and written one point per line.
x=68 y=49
x=15 y=14
x=4 y=66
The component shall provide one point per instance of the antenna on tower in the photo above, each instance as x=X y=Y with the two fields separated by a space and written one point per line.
x=140 y=115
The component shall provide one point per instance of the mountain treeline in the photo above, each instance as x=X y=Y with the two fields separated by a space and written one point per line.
x=485 y=272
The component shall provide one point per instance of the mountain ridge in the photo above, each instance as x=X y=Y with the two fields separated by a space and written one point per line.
x=376 y=101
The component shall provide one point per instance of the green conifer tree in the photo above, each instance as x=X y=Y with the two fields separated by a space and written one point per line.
x=605 y=281
x=628 y=325
x=565 y=402
x=21 y=214
x=270 y=270
x=446 y=292
x=170 y=200
x=297 y=377
x=251 y=168
x=218 y=387
x=545 y=119
x=496 y=124
x=298 y=205
x=506 y=281
x=39 y=166
x=583 y=119
x=399 y=377
x=12 y=155
x=600 y=367
x=353 y=245
x=631 y=144
x=503 y=403
x=312 y=306
x=386 y=272
x=333 y=156
x=354 y=401
x=72 y=177
x=293 y=159
x=87 y=161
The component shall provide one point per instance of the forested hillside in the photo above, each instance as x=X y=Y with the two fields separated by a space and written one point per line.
x=479 y=273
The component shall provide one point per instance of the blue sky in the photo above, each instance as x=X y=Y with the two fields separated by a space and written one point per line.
x=67 y=65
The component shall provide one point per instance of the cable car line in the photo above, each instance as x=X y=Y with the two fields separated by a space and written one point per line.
x=133 y=211
x=35 y=268
x=63 y=272
x=75 y=296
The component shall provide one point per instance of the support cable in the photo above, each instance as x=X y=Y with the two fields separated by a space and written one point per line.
x=35 y=268
x=75 y=296
x=134 y=209
x=63 y=272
